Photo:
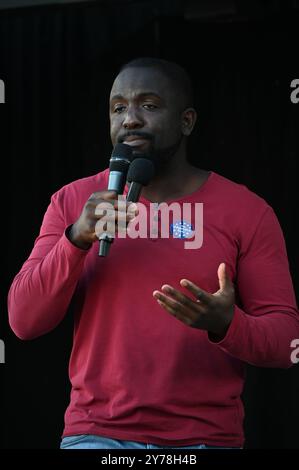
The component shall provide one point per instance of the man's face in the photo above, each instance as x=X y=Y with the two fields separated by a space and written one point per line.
x=145 y=112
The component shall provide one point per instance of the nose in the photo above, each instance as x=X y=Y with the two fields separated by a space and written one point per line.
x=132 y=119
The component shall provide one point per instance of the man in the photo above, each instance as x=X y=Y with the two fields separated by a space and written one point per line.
x=162 y=333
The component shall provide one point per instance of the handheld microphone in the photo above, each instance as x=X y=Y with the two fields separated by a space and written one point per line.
x=120 y=160
x=140 y=173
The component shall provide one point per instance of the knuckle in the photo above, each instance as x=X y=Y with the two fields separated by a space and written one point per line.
x=94 y=196
x=90 y=225
x=176 y=308
x=89 y=205
x=195 y=323
x=103 y=207
x=185 y=301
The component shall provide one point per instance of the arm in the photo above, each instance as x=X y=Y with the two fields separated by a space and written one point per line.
x=41 y=292
x=261 y=328
x=266 y=321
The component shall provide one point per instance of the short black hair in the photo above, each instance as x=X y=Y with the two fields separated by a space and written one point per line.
x=174 y=72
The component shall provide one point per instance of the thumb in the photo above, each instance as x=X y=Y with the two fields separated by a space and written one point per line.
x=222 y=276
x=109 y=194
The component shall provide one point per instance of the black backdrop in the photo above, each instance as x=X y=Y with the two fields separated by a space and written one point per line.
x=58 y=64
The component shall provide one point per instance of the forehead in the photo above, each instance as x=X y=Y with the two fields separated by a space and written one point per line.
x=137 y=80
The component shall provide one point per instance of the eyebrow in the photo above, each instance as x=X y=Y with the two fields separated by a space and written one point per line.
x=141 y=95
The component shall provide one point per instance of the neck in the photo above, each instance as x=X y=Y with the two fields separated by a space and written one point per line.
x=180 y=178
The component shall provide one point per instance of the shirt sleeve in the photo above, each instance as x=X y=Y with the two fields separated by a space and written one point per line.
x=41 y=292
x=266 y=321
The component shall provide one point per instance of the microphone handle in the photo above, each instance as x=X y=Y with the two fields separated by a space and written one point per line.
x=104 y=246
x=117 y=181
x=132 y=196
x=134 y=192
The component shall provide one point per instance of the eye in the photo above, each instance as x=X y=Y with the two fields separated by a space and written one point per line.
x=150 y=106
x=118 y=109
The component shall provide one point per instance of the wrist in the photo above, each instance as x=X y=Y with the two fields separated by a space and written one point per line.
x=73 y=237
x=219 y=334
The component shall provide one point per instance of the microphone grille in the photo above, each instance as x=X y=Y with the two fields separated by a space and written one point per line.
x=141 y=171
x=119 y=165
x=122 y=151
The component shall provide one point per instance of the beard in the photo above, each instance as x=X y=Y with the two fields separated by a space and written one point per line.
x=162 y=157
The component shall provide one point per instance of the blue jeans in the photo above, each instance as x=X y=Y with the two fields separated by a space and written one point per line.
x=90 y=441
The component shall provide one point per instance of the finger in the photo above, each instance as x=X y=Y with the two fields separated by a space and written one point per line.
x=108 y=194
x=123 y=223
x=176 y=307
x=222 y=276
x=112 y=211
x=225 y=282
x=200 y=294
x=132 y=208
x=117 y=217
x=122 y=205
x=103 y=208
x=173 y=307
x=180 y=297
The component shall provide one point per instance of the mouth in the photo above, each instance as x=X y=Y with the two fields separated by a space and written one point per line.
x=135 y=141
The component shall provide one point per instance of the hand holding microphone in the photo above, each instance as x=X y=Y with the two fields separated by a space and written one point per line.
x=82 y=233
x=119 y=164
x=140 y=172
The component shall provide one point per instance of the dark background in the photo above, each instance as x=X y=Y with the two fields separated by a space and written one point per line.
x=58 y=63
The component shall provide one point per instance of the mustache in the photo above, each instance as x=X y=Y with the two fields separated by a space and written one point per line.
x=142 y=134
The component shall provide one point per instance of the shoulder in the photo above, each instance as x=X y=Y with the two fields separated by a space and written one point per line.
x=84 y=187
x=90 y=184
x=239 y=209
x=236 y=195
x=70 y=199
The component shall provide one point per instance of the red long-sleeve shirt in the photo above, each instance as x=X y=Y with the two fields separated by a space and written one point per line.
x=137 y=372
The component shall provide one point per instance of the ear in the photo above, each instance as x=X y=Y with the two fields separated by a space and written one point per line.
x=188 y=120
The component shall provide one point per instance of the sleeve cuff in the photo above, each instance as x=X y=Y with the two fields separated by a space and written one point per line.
x=70 y=247
x=231 y=342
